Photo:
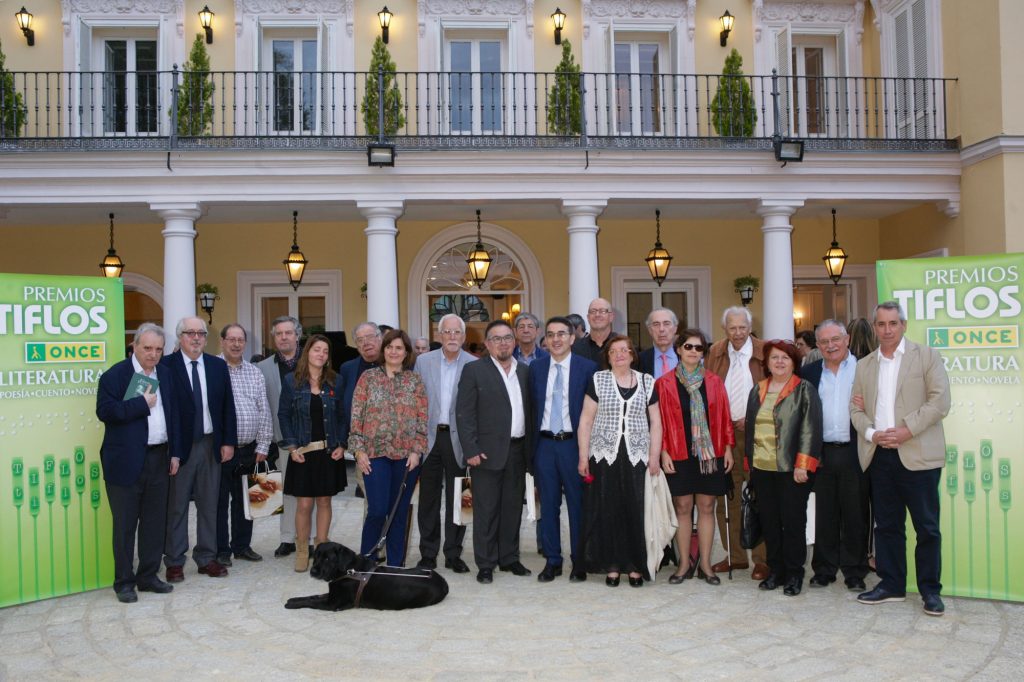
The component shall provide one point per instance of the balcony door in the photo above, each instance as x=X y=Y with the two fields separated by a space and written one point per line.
x=815 y=99
x=475 y=95
x=290 y=87
x=124 y=83
x=640 y=96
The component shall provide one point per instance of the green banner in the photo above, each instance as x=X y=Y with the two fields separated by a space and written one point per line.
x=969 y=309
x=57 y=335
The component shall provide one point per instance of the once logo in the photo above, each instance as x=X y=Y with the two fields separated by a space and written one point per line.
x=1001 y=336
x=65 y=351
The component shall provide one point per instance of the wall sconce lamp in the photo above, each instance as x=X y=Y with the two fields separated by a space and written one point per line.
x=295 y=263
x=558 y=19
x=207 y=298
x=835 y=257
x=24 y=18
x=385 y=23
x=746 y=286
x=206 y=19
x=479 y=261
x=727 y=22
x=380 y=154
x=658 y=258
x=787 y=150
x=112 y=265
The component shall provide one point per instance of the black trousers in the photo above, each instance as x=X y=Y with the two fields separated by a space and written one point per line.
x=498 y=509
x=141 y=508
x=437 y=478
x=230 y=504
x=782 y=503
x=841 y=514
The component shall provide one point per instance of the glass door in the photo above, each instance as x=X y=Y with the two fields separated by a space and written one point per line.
x=290 y=92
x=475 y=93
x=816 y=100
x=308 y=306
x=639 y=99
x=641 y=301
x=130 y=104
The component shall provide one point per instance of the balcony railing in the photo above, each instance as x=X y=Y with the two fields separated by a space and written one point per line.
x=463 y=110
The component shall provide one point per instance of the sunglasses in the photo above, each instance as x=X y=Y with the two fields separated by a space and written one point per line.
x=699 y=347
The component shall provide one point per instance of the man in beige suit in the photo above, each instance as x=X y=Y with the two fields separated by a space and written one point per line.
x=900 y=396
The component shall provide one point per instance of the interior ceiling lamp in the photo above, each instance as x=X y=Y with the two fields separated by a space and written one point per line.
x=206 y=19
x=295 y=263
x=835 y=257
x=24 y=18
x=384 y=16
x=479 y=261
x=558 y=19
x=112 y=265
x=658 y=259
x=727 y=22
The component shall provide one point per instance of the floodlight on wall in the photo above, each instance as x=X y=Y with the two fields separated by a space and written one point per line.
x=24 y=18
x=787 y=150
x=835 y=257
x=558 y=19
x=296 y=262
x=380 y=154
x=112 y=265
x=206 y=19
x=384 y=16
x=479 y=261
x=658 y=258
x=727 y=21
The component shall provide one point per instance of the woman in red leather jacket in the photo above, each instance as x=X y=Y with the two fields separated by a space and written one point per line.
x=697 y=440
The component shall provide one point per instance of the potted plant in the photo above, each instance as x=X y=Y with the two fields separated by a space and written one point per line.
x=195 y=94
x=381 y=78
x=208 y=294
x=733 y=112
x=565 y=98
x=745 y=286
x=13 y=112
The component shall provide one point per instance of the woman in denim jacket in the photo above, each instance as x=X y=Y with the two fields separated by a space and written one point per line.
x=311 y=415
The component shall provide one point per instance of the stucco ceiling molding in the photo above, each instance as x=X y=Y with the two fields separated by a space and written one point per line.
x=439 y=9
x=851 y=12
x=334 y=8
x=122 y=8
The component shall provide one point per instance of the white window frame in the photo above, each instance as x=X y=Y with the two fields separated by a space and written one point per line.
x=476 y=35
x=695 y=280
x=886 y=13
x=253 y=285
x=265 y=93
x=667 y=109
x=100 y=37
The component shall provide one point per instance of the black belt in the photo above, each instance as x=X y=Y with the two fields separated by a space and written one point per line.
x=520 y=439
x=837 y=445
x=250 y=444
x=443 y=427
x=561 y=435
x=158 y=446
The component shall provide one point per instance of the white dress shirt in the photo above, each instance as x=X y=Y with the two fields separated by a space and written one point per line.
x=835 y=390
x=885 y=402
x=201 y=368
x=157 y=423
x=545 y=424
x=738 y=380
x=515 y=396
x=449 y=380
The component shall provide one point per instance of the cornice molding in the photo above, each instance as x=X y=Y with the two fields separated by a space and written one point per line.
x=439 y=9
x=993 y=146
x=851 y=13
x=122 y=8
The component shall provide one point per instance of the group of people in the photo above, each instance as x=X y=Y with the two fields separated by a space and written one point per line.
x=591 y=419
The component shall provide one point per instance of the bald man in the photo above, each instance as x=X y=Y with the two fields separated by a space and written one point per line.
x=600 y=317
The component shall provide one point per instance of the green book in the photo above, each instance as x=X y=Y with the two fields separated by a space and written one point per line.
x=137 y=386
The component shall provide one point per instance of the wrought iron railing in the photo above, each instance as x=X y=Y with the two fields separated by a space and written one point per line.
x=438 y=110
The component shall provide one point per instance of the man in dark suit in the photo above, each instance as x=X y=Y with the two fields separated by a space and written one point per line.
x=558 y=384
x=367 y=336
x=493 y=409
x=440 y=370
x=662 y=325
x=142 y=447
x=840 y=487
x=206 y=407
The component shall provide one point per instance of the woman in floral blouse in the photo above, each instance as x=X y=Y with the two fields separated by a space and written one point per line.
x=388 y=436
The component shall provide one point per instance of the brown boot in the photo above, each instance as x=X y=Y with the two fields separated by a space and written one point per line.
x=301 y=554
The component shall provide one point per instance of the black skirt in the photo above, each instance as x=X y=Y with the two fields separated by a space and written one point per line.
x=688 y=480
x=613 y=517
x=318 y=476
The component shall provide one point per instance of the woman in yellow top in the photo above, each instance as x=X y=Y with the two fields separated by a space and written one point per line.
x=782 y=452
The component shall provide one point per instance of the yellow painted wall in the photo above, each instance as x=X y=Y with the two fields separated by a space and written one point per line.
x=46 y=55
x=1014 y=202
x=403 y=35
x=917 y=230
x=1011 y=53
x=710 y=55
x=546 y=54
x=222 y=51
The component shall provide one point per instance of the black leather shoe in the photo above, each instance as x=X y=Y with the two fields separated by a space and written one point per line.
x=248 y=555
x=427 y=564
x=612 y=582
x=676 y=578
x=577 y=575
x=793 y=586
x=457 y=565
x=711 y=579
x=769 y=583
x=855 y=584
x=549 y=573
x=933 y=605
x=880 y=595
x=224 y=559
x=128 y=596
x=822 y=580
x=485 y=576
x=515 y=568
x=638 y=581
x=284 y=549
x=156 y=585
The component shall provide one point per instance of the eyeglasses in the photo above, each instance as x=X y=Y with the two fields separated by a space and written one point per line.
x=599 y=311
x=699 y=347
x=830 y=342
x=194 y=333
x=451 y=332
x=508 y=338
x=367 y=339
x=234 y=339
x=557 y=335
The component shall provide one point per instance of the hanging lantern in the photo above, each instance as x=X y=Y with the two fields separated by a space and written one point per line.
x=479 y=261
x=835 y=257
x=658 y=259
x=112 y=265
x=295 y=263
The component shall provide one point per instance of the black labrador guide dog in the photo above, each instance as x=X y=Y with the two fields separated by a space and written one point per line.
x=358 y=582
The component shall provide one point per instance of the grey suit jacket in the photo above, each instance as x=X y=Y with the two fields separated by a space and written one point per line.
x=430 y=368
x=485 y=414
x=922 y=401
x=273 y=376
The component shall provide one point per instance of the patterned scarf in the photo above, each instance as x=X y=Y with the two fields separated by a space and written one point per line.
x=703 y=448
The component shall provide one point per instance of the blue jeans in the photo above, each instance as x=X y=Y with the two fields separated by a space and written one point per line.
x=556 y=465
x=383 y=485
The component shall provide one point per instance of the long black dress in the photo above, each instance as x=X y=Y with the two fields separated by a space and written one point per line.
x=688 y=478
x=613 y=538
x=319 y=475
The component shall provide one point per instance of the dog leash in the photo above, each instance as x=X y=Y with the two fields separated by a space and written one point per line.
x=364 y=580
x=391 y=517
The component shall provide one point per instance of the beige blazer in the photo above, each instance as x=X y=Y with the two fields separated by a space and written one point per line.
x=922 y=401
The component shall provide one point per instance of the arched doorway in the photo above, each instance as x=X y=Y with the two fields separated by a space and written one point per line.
x=143 y=302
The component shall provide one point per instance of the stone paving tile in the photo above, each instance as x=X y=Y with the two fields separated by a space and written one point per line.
x=514 y=629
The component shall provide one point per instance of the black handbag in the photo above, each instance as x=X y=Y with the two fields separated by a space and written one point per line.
x=244 y=461
x=750 y=519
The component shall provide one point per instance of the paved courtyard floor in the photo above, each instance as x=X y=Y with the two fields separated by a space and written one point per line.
x=516 y=628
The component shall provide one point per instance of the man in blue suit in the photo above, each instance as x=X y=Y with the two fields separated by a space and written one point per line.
x=558 y=384
x=206 y=408
x=142 y=448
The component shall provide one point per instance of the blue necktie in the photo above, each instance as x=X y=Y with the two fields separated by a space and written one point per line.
x=555 y=421
x=197 y=403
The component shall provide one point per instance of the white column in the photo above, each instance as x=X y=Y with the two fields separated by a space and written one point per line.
x=381 y=260
x=777 y=289
x=179 y=263
x=584 y=278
